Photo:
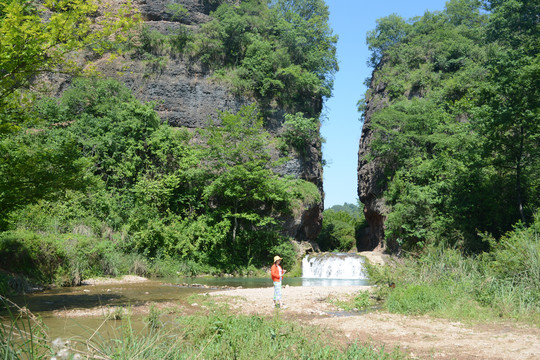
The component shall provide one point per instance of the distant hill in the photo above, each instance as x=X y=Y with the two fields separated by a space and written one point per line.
x=354 y=210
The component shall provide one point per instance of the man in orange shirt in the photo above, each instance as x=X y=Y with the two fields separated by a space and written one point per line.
x=277 y=275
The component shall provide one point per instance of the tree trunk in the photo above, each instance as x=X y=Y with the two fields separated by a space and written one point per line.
x=235 y=225
x=518 y=176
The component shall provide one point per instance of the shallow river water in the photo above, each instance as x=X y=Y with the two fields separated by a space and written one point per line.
x=49 y=303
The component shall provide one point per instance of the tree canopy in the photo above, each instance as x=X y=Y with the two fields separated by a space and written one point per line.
x=278 y=51
x=460 y=135
x=42 y=37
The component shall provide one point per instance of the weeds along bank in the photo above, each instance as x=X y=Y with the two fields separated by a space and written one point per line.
x=41 y=260
x=215 y=334
x=503 y=283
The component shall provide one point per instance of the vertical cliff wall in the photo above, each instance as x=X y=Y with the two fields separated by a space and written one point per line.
x=371 y=180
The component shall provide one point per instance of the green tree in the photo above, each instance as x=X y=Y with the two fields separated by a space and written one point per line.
x=389 y=31
x=243 y=194
x=110 y=125
x=509 y=105
x=458 y=137
x=305 y=32
x=38 y=165
x=38 y=37
x=341 y=227
x=279 y=51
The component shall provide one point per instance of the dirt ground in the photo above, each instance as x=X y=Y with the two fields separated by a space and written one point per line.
x=421 y=337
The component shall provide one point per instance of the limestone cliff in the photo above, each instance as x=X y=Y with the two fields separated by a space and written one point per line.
x=371 y=180
x=187 y=96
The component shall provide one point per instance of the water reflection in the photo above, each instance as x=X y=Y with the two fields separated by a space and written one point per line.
x=267 y=282
x=90 y=296
x=133 y=294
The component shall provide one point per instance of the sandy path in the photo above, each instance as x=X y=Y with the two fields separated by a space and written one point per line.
x=420 y=336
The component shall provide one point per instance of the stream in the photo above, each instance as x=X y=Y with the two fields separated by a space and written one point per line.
x=81 y=302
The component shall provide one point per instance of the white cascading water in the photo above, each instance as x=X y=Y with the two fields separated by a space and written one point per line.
x=333 y=266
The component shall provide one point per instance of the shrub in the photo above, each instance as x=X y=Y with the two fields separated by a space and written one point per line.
x=417 y=299
x=300 y=132
x=286 y=251
x=443 y=282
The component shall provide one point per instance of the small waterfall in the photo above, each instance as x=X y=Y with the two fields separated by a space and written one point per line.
x=333 y=266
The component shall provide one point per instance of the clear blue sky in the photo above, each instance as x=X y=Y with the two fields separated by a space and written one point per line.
x=351 y=20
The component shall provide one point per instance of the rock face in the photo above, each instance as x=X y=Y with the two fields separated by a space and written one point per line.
x=371 y=179
x=185 y=96
x=157 y=10
x=188 y=97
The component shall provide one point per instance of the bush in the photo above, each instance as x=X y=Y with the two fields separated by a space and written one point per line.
x=62 y=259
x=286 y=251
x=30 y=254
x=503 y=283
x=341 y=228
x=516 y=256
x=417 y=299
x=300 y=132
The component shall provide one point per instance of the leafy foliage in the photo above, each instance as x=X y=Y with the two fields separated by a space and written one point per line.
x=342 y=225
x=300 y=132
x=98 y=164
x=250 y=196
x=120 y=177
x=281 y=51
x=501 y=283
x=30 y=45
x=459 y=137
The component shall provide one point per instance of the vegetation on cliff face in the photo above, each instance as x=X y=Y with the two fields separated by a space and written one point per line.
x=44 y=37
x=278 y=51
x=113 y=173
x=94 y=183
x=460 y=136
x=458 y=139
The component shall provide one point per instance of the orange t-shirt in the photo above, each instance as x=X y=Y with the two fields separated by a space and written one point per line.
x=276 y=272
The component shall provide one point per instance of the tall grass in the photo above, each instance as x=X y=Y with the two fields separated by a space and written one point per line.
x=22 y=335
x=214 y=335
x=221 y=335
x=29 y=259
x=502 y=283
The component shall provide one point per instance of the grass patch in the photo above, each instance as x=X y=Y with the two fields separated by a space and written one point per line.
x=213 y=334
x=417 y=299
x=362 y=300
x=503 y=284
